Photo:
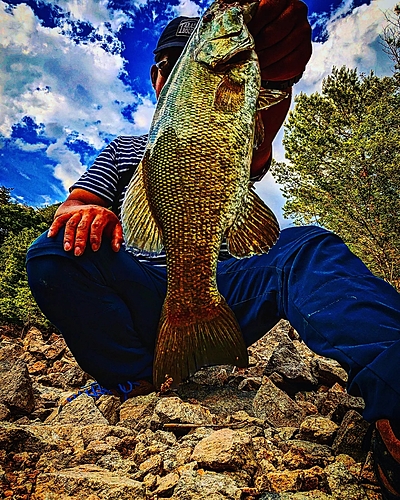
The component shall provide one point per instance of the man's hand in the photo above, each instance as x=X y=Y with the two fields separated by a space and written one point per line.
x=282 y=36
x=86 y=223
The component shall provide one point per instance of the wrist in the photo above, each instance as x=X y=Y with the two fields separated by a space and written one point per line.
x=281 y=84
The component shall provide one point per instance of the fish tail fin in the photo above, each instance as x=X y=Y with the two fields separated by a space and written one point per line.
x=140 y=228
x=255 y=229
x=183 y=348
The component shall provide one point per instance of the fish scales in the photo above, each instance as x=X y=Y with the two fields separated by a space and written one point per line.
x=192 y=189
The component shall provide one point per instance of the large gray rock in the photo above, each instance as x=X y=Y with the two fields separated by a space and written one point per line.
x=200 y=484
x=275 y=407
x=349 y=438
x=337 y=402
x=85 y=482
x=16 y=385
x=80 y=411
x=225 y=449
x=287 y=361
x=174 y=410
x=318 y=429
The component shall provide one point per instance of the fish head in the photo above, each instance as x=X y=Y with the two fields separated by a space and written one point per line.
x=222 y=37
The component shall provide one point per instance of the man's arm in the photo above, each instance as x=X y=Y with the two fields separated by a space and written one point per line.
x=282 y=37
x=86 y=219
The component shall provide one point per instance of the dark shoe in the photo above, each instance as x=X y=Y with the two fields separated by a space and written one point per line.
x=386 y=454
x=123 y=391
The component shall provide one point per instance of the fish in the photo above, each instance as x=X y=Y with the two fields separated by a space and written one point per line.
x=192 y=189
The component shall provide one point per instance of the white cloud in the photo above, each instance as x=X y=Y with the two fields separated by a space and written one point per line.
x=187 y=8
x=143 y=116
x=69 y=167
x=352 y=41
x=94 y=12
x=64 y=86
x=26 y=146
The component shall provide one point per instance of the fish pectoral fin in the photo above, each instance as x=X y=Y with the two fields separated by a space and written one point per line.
x=229 y=95
x=259 y=130
x=183 y=348
x=269 y=97
x=254 y=230
x=141 y=230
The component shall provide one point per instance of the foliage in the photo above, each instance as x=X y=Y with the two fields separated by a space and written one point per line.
x=343 y=145
x=19 y=226
x=14 y=216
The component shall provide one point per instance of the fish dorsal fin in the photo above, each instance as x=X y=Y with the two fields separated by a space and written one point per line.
x=229 y=95
x=269 y=97
x=254 y=230
x=140 y=228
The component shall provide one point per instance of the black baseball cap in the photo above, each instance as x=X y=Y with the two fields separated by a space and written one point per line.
x=176 y=33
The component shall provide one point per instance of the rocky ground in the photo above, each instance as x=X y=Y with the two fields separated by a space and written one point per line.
x=284 y=428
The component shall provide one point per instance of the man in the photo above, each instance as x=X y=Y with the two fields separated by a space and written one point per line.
x=107 y=302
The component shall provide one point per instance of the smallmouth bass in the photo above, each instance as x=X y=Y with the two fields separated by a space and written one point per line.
x=192 y=189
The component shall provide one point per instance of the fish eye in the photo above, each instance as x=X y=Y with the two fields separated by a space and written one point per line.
x=207 y=17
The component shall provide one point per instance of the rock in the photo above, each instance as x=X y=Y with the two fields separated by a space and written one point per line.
x=297 y=480
x=329 y=372
x=166 y=484
x=38 y=368
x=80 y=411
x=225 y=449
x=198 y=484
x=16 y=386
x=217 y=438
x=136 y=412
x=109 y=405
x=318 y=429
x=85 y=481
x=342 y=483
x=34 y=342
x=173 y=409
x=74 y=377
x=55 y=349
x=337 y=402
x=4 y=412
x=350 y=436
x=303 y=454
x=17 y=439
x=287 y=362
x=275 y=407
x=213 y=375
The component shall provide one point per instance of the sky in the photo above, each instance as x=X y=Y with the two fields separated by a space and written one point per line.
x=74 y=74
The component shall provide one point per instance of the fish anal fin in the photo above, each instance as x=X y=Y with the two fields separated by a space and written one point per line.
x=141 y=230
x=184 y=347
x=229 y=95
x=255 y=229
x=269 y=97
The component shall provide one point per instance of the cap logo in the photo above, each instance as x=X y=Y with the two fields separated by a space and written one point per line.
x=185 y=28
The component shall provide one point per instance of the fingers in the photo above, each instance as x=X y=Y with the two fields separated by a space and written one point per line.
x=96 y=232
x=289 y=65
x=292 y=18
x=282 y=37
x=117 y=238
x=76 y=233
x=57 y=224
x=267 y=12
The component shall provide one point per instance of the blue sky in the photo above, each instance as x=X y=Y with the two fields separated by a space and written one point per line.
x=74 y=74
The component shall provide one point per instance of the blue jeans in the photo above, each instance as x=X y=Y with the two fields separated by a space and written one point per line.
x=107 y=306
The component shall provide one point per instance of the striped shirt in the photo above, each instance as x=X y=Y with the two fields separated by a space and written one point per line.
x=109 y=176
x=103 y=178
